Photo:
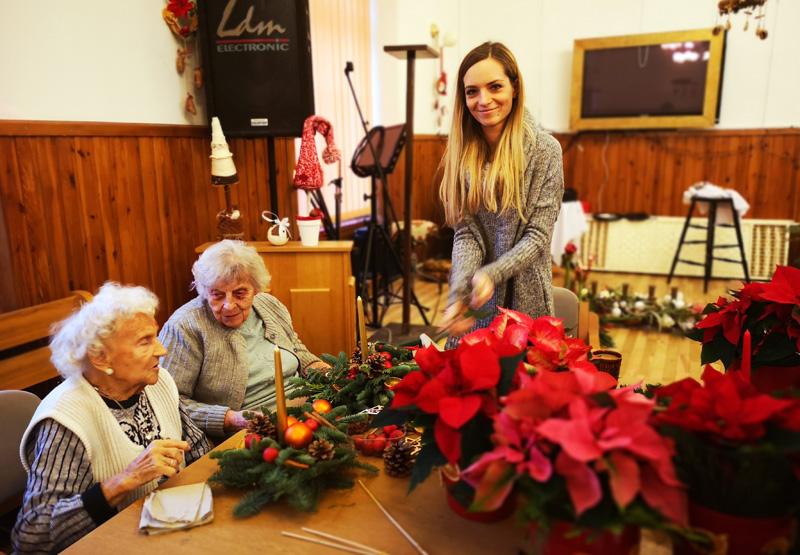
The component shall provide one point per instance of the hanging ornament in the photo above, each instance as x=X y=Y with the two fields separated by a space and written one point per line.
x=180 y=61
x=198 y=77
x=189 y=104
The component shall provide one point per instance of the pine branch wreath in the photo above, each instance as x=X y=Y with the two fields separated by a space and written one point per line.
x=273 y=471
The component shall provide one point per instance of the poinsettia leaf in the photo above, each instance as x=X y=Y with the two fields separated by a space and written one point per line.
x=475 y=439
x=508 y=368
x=428 y=458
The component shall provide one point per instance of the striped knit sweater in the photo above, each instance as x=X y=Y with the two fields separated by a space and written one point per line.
x=209 y=361
x=78 y=407
x=63 y=499
x=513 y=253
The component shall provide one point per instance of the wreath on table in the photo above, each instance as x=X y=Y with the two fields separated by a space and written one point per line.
x=181 y=18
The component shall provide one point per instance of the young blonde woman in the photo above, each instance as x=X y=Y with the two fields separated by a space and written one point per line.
x=502 y=187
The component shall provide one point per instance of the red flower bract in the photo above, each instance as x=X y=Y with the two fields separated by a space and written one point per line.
x=725 y=407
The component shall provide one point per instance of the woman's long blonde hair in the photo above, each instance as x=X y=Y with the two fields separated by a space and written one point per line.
x=467 y=150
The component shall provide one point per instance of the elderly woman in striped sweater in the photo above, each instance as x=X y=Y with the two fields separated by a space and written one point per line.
x=221 y=344
x=111 y=431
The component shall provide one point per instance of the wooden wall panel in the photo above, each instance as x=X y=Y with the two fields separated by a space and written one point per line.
x=649 y=171
x=85 y=203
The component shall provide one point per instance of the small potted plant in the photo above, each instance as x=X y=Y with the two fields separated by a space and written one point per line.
x=456 y=394
x=738 y=451
x=588 y=465
x=758 y=329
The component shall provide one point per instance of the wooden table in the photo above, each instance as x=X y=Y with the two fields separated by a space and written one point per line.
x=346 y=513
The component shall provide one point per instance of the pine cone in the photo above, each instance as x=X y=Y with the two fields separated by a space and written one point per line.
x=398 y=459
x=355 y=358
x=321 y=449
x=262 y=425
x=375 y=362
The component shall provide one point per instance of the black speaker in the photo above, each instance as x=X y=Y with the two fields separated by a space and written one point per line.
x=257 y=59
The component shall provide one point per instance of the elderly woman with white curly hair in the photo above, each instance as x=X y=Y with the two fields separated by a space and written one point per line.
x=111 y=431
x=221 y=344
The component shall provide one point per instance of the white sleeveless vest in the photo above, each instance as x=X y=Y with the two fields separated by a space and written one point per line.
x=78 y=407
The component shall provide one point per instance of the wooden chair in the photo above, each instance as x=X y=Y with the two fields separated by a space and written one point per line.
x=16 y=410
x=577 y=318
x=24 y=354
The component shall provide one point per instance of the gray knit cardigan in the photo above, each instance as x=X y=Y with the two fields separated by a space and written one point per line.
x=515 y=254
x=209 y=361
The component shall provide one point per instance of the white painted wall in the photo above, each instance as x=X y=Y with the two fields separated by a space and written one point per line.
x=113 y=60
x=90 y=60
x=761 y=84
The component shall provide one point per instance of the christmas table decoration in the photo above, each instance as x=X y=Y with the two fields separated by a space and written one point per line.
x=738 y=451
x=357 y=383
x=296 y=461
x=309 y=459
x=770 y=312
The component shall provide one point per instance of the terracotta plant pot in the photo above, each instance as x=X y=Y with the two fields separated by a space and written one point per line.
x=742 y=535
x=558 y=542
x=449 y=478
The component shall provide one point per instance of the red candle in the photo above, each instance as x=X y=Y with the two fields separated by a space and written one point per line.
x=746 y=355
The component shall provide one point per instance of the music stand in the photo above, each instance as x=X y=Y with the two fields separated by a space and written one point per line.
x=387 y=143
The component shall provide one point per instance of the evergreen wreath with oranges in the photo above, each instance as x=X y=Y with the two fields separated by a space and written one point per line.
x=314 y=454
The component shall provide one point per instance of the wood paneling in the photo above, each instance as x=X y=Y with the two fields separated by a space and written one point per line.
x=649 y=171
x=84 y=202
x=88 y=202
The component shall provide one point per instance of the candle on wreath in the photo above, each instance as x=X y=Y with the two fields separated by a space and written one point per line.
x=362 y=329
x=746 y=354
x=280 y=394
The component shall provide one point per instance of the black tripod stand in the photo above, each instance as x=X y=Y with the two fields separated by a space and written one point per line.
x=375 y=157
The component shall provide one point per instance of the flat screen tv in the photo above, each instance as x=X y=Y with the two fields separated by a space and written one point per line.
x=656 y=80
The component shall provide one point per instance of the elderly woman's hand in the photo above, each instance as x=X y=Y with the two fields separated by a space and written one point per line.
x=235 y=419
x=163 y=457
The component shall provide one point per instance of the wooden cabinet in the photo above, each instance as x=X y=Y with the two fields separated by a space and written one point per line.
x=317 y=286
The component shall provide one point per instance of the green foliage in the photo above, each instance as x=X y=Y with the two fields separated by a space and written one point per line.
x=353 y=385
x=300 y=487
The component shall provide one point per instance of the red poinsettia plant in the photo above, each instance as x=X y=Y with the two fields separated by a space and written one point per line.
x=737 y=448
x=581 y=454
x=769 y=311
x=455 y=395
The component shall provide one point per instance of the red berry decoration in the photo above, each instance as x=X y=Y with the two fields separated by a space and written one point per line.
x=298 y=435
x=250 y=439
x=311 y=423
x=270 y=454
x=396 y=434
x=378 y=445
x=389 y=429
x=322 y=406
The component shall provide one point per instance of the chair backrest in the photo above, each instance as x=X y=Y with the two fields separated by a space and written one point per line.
x=25 y=359
x=567 y=308
x=16 y=410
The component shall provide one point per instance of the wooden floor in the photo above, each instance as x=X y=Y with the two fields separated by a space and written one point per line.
x=647 y=356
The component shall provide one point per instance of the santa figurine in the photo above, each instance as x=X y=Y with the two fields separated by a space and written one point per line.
x=223 y=173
